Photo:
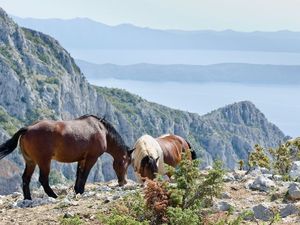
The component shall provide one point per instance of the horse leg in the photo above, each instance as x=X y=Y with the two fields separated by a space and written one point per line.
x=80 y=166
x=83 y=175
x=44 y=179
x=29 y=169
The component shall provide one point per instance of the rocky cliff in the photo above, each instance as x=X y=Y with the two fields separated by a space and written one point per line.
x=39 y=79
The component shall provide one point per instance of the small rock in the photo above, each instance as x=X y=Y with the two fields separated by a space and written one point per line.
x=228 y=177
x=16 y=194
x=104 y=188
x=222 y=206
x=69 y=215
x=248 y=183
x=277 y=178
x=294 y=191
x=254 y=172
x=225 y=195
x=115 y=197
x=92 y=217
x=289 y=209
x=262 y=212
x=295 y=170
x=262 y=183
x=208 y=168
x=238 y=175
x=107 y=199
x=89 y=194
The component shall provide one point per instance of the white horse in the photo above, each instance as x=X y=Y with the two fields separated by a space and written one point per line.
x=147 y=158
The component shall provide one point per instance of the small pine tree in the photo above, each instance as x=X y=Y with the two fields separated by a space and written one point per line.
x=241 y=164
x=258 y=158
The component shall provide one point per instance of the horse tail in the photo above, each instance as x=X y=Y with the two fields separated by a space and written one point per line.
x=10 y=145
x=193 y=153
x=188 y=143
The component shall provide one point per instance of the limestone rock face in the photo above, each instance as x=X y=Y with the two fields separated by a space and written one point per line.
x=39 y=79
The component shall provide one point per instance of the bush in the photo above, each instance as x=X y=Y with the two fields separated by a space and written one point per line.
x=74 y=220
x=182 y=216
x=117 y=219
x=181 y=202
x=258 y=158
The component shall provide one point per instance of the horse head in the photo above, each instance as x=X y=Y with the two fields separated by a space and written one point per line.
x=149 y=167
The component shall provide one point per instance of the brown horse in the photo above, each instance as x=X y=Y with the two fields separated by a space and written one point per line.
x=81 y=140
x=172 y=147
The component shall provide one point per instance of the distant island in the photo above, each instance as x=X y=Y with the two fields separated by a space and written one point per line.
x=227 y=72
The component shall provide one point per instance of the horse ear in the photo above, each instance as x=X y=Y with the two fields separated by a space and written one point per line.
x=130 y=151
x=157 y=159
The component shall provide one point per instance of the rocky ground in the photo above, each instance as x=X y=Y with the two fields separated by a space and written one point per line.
x=258 y=191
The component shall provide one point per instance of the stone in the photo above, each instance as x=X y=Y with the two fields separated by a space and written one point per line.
x=225 y=195
x=16 y=194
x=277 y=177
x=262 y=212
x=228 y=177
x=208 y=168
x=293 y=191
x=289 y=209
x=69 y=215
x=295 y=170
x=238 y=175
x=254 y=172
x=223 y=206
x=262 y=183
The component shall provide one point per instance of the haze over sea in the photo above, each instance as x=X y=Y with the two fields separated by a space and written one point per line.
x=192 y=57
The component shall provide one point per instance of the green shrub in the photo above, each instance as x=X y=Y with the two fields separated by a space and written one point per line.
x=116 y=219
x=282 y=159
x=182 y=216
x=8 y=123
x=181 y=201
x=258 y=157
x=74 y=220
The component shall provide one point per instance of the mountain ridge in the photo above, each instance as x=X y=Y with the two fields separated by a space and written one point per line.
x=88 y=32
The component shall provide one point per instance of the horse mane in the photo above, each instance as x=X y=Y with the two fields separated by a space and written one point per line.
x=146 y=146
x=111 y=130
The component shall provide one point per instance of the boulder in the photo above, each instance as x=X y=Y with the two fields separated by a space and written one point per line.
x=289 y=209
x=262 y=183
x=293 y=191
x=295 y=170
x=263 y=212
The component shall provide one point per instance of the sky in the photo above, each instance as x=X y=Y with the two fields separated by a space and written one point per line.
x=239 y=15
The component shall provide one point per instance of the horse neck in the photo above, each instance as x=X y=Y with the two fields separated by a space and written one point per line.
x=114 y=149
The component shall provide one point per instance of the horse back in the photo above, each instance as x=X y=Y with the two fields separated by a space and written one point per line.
x=172 y=147
x=65 y=141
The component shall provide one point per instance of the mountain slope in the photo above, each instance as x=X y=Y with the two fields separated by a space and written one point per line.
x=228 y=72
x=82 y=33
x=228 y=133
x=39 y=79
